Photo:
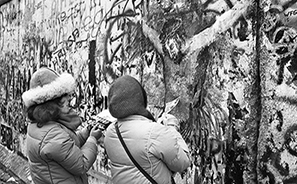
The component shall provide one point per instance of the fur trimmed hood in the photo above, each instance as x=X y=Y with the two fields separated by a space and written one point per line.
x=46 y=85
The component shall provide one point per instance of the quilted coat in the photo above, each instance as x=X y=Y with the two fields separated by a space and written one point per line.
x=58 y=155
x=160 y=150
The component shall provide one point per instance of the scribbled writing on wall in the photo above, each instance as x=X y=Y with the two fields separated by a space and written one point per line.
x=6 y=137
x=12 y=115
x=281 y=32
x=158 y=40
x=59 y=37
x=144 y=40
x=283 y=38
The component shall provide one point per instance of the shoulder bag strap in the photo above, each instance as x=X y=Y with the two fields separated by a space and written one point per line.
x=131 y=157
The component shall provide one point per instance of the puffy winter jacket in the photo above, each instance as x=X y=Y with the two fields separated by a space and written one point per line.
x=160 y=150
x=58 y=155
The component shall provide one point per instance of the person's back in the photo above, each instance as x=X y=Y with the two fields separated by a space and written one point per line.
x=40 y=145
x=158 y=149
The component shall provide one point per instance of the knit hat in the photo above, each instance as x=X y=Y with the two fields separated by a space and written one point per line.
x=127 y=97
x=46 y=85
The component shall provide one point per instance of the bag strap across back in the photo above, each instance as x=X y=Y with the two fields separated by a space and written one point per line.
x=131 y=157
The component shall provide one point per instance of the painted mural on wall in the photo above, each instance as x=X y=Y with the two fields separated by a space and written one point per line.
x=199 y=60
x=198 y=56
x=278 y=153
x=193 y=53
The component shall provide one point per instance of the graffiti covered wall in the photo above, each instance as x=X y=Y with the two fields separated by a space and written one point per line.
x=277 y=156
x=64 y=35
x=225 y=68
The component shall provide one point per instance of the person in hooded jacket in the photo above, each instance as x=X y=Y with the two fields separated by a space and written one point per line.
x=160 y=150
x=58 y=153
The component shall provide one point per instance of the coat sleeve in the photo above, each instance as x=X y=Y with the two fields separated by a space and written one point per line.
x=169 y=146
x=82 y=135
x=60 y=147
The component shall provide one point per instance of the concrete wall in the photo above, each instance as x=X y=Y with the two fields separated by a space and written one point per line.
x=225 y=68
x=277 y=151
x=64 y=35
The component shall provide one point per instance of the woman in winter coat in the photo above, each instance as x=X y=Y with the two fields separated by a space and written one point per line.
x=159 y=150
x=56 y=152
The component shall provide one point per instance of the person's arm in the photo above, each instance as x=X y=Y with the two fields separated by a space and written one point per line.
x=83 y=134
x=170 y=148
x=61 y=148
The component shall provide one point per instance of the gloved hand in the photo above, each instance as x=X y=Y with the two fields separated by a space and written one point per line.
x=85 y=132
x=170 y=120
x=96 y=132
